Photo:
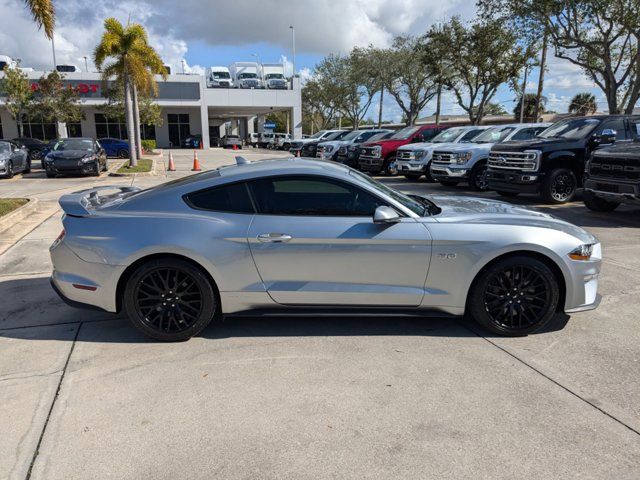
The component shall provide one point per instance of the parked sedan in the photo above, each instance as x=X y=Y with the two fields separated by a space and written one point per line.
x=33 y=145
x=115 y=147
x=13 y=159
x=310 y=236
x=228 y=141
x=75 y=156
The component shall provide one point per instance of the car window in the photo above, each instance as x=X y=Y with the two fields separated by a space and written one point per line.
x=312 y=196
x=616 y=124
x=634 y=122
x=232 y=198
x=5 y=147
x=471 y=134
x=526 y=134
x=428 y=133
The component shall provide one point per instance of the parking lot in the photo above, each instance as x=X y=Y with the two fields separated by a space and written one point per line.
x=84 y=395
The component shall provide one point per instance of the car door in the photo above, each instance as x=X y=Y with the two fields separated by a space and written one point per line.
x=18 y=158
x=314 y=242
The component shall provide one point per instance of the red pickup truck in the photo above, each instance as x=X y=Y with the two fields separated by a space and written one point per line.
x=380 y=156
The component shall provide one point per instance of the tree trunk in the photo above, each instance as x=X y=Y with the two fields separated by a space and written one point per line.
x=136 y=120
x=380 y=107
x=20 y=127
x=438 y=102
x=543 y=65
x=128 y=107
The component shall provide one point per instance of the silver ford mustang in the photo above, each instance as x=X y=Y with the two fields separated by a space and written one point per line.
x=306 y=236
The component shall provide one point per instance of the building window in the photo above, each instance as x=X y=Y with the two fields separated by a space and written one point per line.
x=178 y=128
x=148 y=132
x=74 y=130
x=36 y=127
x=109 y=128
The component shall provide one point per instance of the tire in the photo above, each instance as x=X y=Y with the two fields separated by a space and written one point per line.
x=427 y=176
x=122 y=153
x=412 y=176
x=9 y=173
x=96 y=169
x=502 y=193
x=514 y=296
x=597 y=204
x=478 y=178
x=286 y=146
x=390 y=168
x=448 y=183
x=559 y=186
x=27 y=168
x=147 y=293
x=35 y=155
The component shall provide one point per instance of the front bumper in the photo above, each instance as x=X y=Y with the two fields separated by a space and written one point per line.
x=405 y=166
x=442 y=172
x=582 y=282
x=614 y=191
x=514 y=181
x=77 y=168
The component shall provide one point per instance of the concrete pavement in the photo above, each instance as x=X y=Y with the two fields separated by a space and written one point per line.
x=85 y=396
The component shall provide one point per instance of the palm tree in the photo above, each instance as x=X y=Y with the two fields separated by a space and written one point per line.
x=133 y=63
x=583 y=104
x=44 y=15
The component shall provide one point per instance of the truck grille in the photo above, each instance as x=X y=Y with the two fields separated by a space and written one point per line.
x=405 y=155
x=309 y=150
x=367 y=152
x=342 y=151
x=444 y=158
x=527 y=161
x=612 y=167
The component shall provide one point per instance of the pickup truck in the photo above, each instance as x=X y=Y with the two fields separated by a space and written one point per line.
x=349 y=154
x=296 y=145
x=414 y=160
x=328 y=150
x=612 y=177
x=553 y=163
x=468 y=162
x=380 y=156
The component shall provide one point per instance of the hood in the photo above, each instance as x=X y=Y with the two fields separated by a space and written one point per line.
x=386 y=143
x=333 y=143
x=625 y=150
x=464 y=147
x=538 y=144
x=427 y=146
x=460 y=209
x=68 y=154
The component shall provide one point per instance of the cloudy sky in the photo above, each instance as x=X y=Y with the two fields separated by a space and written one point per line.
x=210 y=32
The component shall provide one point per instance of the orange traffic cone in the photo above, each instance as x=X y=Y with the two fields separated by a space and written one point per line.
x=196 y=162
x=201 y=145
x=171 y=167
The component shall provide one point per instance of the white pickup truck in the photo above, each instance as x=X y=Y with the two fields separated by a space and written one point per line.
x=452 y=164
x=414 y=159
x=273 y=76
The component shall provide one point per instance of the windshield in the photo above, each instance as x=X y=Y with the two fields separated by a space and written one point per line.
x=73 y=144
x=4 y=148
x=415 y=205
x=218 y=75
x=380 y=136
x=571 y=128
x=404 y=133
x=247 y=75
x=448 y=135
x=335 y=135
x=269 y=76
x=318 y=134
x=352 y=135
x=494 y=135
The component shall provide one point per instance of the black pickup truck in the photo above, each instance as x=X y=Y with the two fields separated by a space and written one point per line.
x=612 y=177
x=553 y=163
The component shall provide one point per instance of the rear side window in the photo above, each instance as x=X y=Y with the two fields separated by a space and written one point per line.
x=527 y=133
x=429 y=133
x=232 y=198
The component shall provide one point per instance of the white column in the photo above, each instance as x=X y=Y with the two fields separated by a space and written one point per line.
x=62 y=130
x=260 y=123
x=296 y=111
x=204 y=122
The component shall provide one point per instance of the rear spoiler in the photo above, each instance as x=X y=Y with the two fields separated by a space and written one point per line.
x=82 y=203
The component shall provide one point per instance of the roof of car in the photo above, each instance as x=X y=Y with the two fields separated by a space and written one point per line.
x=282 y=165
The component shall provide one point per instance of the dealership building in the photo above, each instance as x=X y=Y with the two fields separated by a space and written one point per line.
x=189 y=107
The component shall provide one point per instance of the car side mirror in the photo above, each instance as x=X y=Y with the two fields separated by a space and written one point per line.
x=384 y=214
x=607 y=137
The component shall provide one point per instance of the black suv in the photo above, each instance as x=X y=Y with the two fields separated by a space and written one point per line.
x=553 y=163
x=612 y=177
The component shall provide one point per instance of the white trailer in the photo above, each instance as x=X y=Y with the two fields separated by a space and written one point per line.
x=273 y=76
x=218 y=77
x=245 y=75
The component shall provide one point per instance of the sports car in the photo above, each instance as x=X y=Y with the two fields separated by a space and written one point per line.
x=306 y=237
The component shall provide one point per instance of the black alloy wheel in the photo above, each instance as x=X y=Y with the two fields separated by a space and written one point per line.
x=560 y=186
x=514 y=296
x=9 y=171
x=478 y=180
x=122 y=153
x=27 y=168
x=35 y=154
x=170 y=300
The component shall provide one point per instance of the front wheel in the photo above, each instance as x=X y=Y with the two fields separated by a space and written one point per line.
x=412 y=176
x=170 y=299
x=514 y=296
x=9 y=170
x=390 y=167
x=559 y=186
x=122 y=153
x=478 y=178
x=27 y=167
x=597 y=204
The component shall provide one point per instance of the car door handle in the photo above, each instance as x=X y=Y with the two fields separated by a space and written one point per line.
x=274 y=237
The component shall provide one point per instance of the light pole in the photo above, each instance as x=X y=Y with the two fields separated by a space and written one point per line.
x=86 y=65
x=182 y=62
x=293 y=49
x=257 y=58
x=53 y=49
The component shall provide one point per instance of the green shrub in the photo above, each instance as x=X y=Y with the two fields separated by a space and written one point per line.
x=148 y=145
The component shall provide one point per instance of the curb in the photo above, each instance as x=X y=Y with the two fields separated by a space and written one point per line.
x=151 y=173
x=18 y=214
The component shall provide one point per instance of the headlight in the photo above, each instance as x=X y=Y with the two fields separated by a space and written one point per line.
x=419 y=154
x=2 y=160
x=89 y=158
x=583 y=252
x=377 y=151
x=463 y=157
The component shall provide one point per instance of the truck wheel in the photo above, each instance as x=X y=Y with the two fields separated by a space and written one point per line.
x=448 y=183
x=478 y=178
x=507 y=194
x=559 y=186
x=597 y=204
x=412 y=176
x=390 y=167
x=427 y=176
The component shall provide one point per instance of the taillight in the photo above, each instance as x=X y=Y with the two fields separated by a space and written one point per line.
x=57 y=241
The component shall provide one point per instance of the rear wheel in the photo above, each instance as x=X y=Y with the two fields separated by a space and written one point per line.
x=170 y=299
x=597 y=204
x=515 y=296
x=449 y=183
x=559 y=186
x=478 y=178
x=122 y=153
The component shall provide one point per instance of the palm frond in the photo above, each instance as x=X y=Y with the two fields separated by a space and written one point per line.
x=44 y=15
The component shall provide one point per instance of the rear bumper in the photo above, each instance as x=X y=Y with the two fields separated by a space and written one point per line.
x=613 y=191
x=513 y=181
